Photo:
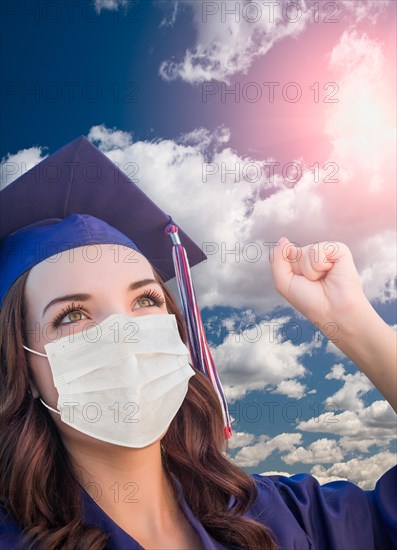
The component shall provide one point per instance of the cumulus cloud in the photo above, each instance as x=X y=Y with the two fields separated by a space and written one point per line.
x=110 y=5
x=14 y=165
x=291 y=388
x=364 y=9
x=252 y=455
x=230 y=36
x=228 y=43
x=354 y=386
x=363 y=471
x=378 y=248
x=240 y=439
x=259 y=358
x=331 y=348
x=324 y=451
x=275 y=473
x=375 y=425
x=171 y=9
x=107 y=139
x=367 y=179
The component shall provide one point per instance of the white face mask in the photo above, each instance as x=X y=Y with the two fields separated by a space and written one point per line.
x=123 y=380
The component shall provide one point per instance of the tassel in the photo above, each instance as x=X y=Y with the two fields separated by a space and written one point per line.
x=198 y=345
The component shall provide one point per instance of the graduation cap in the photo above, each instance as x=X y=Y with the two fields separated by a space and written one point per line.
x=78 y=196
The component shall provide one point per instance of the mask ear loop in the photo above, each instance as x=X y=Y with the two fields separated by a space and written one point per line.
x=50 y=408
x=43 y=355
x=36 y=352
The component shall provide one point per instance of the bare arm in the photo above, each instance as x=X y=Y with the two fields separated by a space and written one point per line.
x=371 y=344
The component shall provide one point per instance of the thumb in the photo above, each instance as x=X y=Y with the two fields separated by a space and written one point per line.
x=281 y=267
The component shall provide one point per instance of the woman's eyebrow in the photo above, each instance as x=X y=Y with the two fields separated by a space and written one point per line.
x=84 y=297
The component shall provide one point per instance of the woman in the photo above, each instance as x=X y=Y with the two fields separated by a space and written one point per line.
x=97 y=479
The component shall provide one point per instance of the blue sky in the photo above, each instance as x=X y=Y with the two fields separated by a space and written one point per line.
x=182 y=90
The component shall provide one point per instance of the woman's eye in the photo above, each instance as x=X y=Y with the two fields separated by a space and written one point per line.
x=68 y=313
x=73 y=317
x=73 y=314
x=146 y=301
x=150 y=299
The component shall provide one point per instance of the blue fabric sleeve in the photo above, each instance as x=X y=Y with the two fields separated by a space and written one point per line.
x=335 y=516
x=10 y=532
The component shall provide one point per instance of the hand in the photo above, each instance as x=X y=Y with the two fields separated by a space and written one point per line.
x=319 y=280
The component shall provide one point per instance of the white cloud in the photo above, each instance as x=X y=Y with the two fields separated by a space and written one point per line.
x=364 y=472
x=206 y=142
x=222 y=326
x=324 y=451
x=240 y=439
x=230 y=36
x=275 y=473
x=258 y=359
x=336 y=373
x=363 y=110
x=367 y=181
x=228 y=43
x=107 y=139
x=359 y=430
x=14 y=165
x=354 y=386
x=363 y=9
x=378 y=248
x=252 y=455
x=331 y=348
x=291 y=388
x=110 y=4
x=171 y=9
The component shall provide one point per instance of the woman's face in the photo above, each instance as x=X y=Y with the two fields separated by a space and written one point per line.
x=75 y=288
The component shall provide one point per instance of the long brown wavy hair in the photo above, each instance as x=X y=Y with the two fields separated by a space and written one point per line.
x=38 y=480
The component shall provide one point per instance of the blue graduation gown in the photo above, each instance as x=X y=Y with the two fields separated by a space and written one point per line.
x=302 y=514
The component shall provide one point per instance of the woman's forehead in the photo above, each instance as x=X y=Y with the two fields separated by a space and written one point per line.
x=95 y=266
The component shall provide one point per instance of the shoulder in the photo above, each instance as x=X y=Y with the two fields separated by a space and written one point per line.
x=10 y=531
x=338 y=514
